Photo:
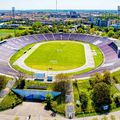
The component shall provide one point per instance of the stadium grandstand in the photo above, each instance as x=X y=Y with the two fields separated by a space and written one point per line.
x=109 y=48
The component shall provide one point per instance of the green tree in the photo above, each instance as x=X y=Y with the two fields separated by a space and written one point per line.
x=80 y=30
x=49 y=100
x=20 y=78
x=3 y=82
x=36 y=26
x=25 y=32
x=92 y=30
x=97 y=33
x=116 y=98
x=92 y=25
x=54 y=29
x=103 y=34
x=77 y=87
x=115 y=79
x=83 y=100
x=62 y=83
x=54 y=105
x=111 y=33
x=98 y=77
x=8 y=36
x=63 y=77
x=111 y=28
x=101 y=95
x=22 y=84
x=107 y=77
x=91 y=82
x=45 y=29
x=17 y=34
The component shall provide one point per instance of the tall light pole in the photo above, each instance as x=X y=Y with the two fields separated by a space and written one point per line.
x=56 y=5
x=13 y=18
x=118 y=14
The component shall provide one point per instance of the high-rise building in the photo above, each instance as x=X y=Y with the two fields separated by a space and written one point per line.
x=13 y=12
x=118 y=10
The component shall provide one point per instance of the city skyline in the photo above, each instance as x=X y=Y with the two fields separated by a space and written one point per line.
x=67 y=4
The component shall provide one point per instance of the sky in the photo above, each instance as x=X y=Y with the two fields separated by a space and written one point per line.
x=62 y=4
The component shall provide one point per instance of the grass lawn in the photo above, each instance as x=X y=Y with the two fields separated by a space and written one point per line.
x=5 y=32
x=98 y=58
x=59 y=55
x=6 y=79
x=38 y=83
x=117 y=75
x=83 y=86
x=11 y=100
x=20 y=53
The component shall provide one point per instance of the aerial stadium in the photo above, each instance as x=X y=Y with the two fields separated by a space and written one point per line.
x=62 y=63
x=77 y=54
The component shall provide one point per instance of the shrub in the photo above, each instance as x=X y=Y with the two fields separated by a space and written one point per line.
x=54 y=105
x=92 y=83
x=83 y=100
x=98 y=77
x=10 y=101
x=115 y=79
x=116 y=98
x=3 y=82
x=49 y=100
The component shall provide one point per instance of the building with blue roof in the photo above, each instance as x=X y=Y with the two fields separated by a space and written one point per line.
x=50 y=78
x=35 y=94
x=40 y=76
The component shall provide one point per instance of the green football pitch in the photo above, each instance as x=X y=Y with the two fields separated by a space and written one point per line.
x=57 y=55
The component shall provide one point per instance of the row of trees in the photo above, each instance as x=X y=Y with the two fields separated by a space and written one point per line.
x=100 y=92
x=67 y=27
x=38 y=28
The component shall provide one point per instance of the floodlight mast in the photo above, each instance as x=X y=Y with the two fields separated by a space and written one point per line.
x=13 y=18
x=56 y=5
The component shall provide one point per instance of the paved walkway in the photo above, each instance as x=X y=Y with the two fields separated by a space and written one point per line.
x=89 y=61
x=5 y=91
x=70 y=109
x=37 y=112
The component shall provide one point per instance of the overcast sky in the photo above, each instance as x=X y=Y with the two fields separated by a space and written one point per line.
x=62 y=4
